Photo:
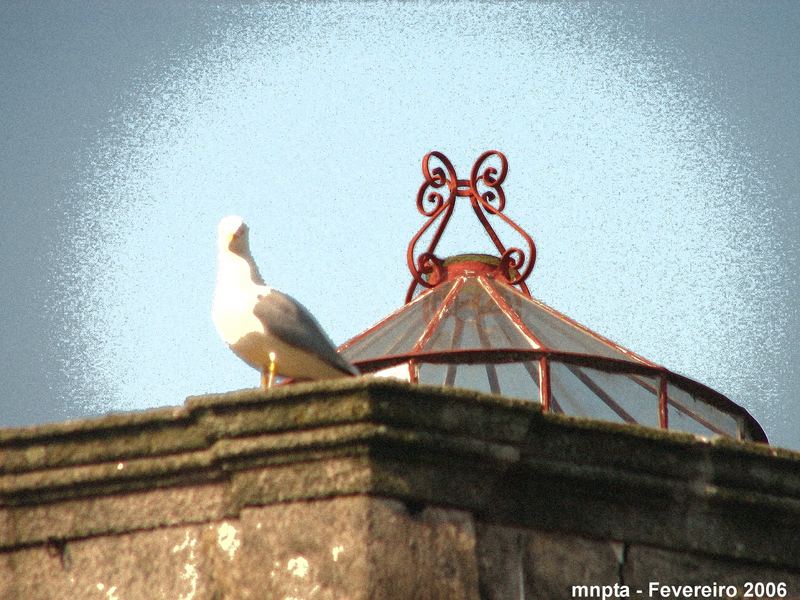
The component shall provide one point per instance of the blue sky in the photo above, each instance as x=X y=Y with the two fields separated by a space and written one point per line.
x=651 y=149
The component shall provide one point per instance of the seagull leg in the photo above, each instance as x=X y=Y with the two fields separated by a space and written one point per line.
x=268 y=374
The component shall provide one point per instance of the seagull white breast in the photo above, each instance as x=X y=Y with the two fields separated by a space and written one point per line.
x=255 y=320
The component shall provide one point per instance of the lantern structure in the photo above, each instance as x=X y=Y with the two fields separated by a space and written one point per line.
x=470 y=321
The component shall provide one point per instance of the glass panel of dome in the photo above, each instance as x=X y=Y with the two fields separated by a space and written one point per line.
x=458 y=329
x=552 y=329
x=502 y=332
x=447 y=334
x=633 y=398
x=475 y=321
x=693 y=415
x=432 y=374
x=570 y=394
x=398 y=333
x=482 y=378
x=479 y=377
x=519 y=380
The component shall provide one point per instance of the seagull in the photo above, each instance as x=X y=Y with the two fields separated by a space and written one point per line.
x=267 y=329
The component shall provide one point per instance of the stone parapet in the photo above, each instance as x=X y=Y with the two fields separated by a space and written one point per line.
x=370 y=488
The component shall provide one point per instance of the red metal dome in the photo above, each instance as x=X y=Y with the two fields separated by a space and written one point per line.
x=475 y=325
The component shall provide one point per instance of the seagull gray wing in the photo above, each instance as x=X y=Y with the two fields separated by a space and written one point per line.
x=292 y=323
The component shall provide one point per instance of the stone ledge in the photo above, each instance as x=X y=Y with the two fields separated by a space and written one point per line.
x=207 y=419
x=499 y=458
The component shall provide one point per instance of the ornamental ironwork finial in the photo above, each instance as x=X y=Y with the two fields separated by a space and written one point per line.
x=436 y=200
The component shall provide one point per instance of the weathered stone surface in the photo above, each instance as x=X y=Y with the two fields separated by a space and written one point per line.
x=119 y=513
x=446 y=494
x=356 y=548
x=500 y=554
x=313 y=549
x=127 y=435
x=432 y=553
x=554 y=562
x=645 y=564
x=162 y=563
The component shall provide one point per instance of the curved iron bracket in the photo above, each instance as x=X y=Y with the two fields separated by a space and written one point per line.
x=436 y=200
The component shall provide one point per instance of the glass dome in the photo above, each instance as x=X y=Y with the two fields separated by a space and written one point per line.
x=475 y=331
x=471 y=327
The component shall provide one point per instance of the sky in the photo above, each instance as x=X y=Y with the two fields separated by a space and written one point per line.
x=652 y=153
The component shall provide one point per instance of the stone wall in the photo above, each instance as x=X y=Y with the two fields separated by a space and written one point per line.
x=378 y=489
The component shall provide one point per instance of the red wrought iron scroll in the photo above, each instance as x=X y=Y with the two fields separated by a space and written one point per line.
x=436 y=200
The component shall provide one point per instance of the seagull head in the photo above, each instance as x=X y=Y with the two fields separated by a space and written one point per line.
x=232 y=235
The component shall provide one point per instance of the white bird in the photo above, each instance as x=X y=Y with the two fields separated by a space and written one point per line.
x=267 y=329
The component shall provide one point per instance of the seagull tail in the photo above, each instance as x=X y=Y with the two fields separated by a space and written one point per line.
x=347 y=369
